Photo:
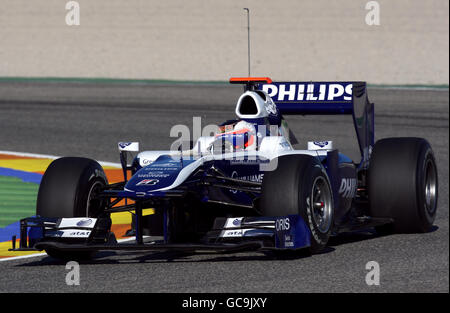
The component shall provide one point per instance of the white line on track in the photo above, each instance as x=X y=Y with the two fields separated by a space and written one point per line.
x=53 y=157
x=42 y=254
x=22 y=257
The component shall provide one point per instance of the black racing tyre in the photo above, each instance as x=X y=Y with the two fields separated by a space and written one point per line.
x=300 y=185
x=67 y=189
x=403 y=184
x=67 y=185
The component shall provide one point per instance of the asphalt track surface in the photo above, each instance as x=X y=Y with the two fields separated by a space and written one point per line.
x=86 y=119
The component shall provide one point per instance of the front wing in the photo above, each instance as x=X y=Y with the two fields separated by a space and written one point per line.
x=227 y=235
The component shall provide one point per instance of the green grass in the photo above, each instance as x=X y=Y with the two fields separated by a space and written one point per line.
x=17 y=199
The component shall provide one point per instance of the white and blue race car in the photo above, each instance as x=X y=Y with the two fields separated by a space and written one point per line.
x=245 y=187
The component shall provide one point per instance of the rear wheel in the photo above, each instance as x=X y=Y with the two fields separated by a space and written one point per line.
x=68 y=189
x=300 y=185
x=403 y=184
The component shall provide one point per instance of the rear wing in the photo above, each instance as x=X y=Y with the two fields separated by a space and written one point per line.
x=329 y=98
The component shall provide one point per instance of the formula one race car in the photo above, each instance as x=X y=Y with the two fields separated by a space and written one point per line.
x=245 y=187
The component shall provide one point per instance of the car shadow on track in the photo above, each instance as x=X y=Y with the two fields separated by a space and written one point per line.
x=359 y=236
x=347 y=238
x=129 y=257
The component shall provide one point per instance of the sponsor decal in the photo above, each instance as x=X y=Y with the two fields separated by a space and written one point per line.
x=154 y=168
x=98 y=173
x=148 y=182
x=321 y=143
x=282 y=224
x=257 y=178
x=170 y=163
x=233 y=233
x=84 y=222
x=57 y=233
x=271 y=108
x=123 y=145
x=233 y=222
x=367 y=152
x=68 y=233
x=348 y=187
x=245 y=160
x=146 y=161
x=311 y=223
x=128 y=146
x=292 y=232
x=309 y=91
x=288 y=242
x=153 y=175
x=79 y=234
x=76 y=222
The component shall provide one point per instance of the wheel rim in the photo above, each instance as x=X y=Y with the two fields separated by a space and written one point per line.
x=94 y=204
x=321 y=204
x=430 y=187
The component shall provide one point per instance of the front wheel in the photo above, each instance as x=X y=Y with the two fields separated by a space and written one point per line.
x=68 y=189
x=300 y=185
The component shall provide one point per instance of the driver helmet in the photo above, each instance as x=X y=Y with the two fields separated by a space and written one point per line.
x=242 y=136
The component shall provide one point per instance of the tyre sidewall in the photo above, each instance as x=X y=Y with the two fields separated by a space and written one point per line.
x=91 y=176
x=311 y=173
x=426 y=217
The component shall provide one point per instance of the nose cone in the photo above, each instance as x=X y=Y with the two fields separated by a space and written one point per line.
x=160 y=174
